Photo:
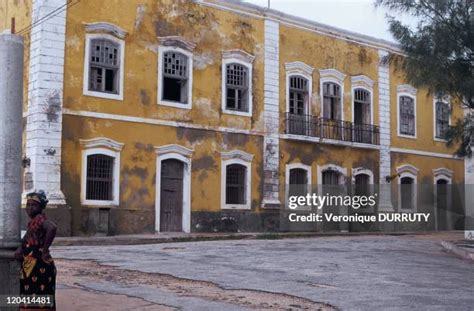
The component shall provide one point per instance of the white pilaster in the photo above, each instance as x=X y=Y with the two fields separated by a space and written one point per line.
x=271 y=113
x=469 y=194
x=384 y=123
x=45 y=99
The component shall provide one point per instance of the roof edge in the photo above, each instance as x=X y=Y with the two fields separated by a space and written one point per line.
x=262 y=12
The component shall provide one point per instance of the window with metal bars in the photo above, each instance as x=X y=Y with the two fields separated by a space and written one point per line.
x=298 y=92
x=99 y=185
x=407 y=116
x=236 y=175
x=237 y=87
x=175 y=77
x=442 y=119
x=104 y=66
x=331 y=101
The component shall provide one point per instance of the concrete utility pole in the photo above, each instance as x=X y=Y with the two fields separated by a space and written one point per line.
x=11 y=100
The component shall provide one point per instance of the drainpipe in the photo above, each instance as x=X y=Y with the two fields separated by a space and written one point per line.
x=11 y=101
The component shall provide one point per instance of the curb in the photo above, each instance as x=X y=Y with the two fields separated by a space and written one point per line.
x=459 y=251
x=130 y=240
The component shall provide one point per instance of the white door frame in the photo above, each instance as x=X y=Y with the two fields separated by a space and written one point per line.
x=183 y=155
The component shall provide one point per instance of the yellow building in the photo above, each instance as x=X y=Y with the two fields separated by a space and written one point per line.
x=144 y=116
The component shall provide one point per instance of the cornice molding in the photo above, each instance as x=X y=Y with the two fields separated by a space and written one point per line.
x=101 y=142
x=332 y=74
x=173 y=148
x=236 y=154
x=299 y=67
x=177 y=41
x=238 y=54
x=406 y=88
x=362 y=81
x=108 y=28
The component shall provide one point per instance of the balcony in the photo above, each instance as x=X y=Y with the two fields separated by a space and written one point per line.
x=337 y=130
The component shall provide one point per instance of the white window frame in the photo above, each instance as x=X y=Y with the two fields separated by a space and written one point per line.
x=185 y=48
x=305 y=71
x=366 y=84
x=447 y=101
x=108 y=147
x=407 y=170
x=291 y=166
x=242 y=158
x=409 y=91
x=242 y=58
x=334 y=76
x=120 y=84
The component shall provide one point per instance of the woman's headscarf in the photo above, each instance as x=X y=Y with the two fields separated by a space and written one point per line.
x=38 y=196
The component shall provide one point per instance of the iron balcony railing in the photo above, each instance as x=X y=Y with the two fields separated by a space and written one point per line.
x=308 y=125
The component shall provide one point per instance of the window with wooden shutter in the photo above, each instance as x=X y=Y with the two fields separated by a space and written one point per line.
x=104 y=66
x=175 y=77
x=331 y=101
x=237 y=87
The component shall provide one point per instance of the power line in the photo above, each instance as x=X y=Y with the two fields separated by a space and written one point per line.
x=47 y=16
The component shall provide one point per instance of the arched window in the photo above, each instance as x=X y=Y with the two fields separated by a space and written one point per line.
x=298 y=182
x=175 y=77
x=407 y=188
x=104 y=66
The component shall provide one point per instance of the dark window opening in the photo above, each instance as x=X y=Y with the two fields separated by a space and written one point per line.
x=332 y=101
x=99 y=185
x=235 y=184
x=407 y=193
x=331 y=178
x=298 y=182
x=175 y=77
x=237 y=88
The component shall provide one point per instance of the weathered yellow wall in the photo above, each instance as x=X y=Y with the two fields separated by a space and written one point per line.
x=21 y=11
x=138 y=164
x=424 y=118
x=324 y=52
x=314 y=154
x=18 y=9
x=426 y=165
x=211 y=30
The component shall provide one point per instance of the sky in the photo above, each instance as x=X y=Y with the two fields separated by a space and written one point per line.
x=356 y=15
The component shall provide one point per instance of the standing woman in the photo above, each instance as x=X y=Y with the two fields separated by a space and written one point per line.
x=38 y=272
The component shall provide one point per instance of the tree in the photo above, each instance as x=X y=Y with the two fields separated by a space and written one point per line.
x=440 y=55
